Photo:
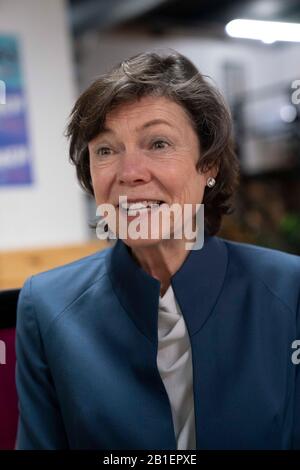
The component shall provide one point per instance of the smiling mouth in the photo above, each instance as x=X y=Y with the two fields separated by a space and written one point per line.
x=131 y=208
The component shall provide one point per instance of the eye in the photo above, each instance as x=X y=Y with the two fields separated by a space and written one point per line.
x=103 y=151
x=159 y=144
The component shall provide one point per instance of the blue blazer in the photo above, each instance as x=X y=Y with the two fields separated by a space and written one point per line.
x=87 y=376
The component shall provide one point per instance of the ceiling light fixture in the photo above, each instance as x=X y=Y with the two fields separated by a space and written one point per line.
x=266 y=31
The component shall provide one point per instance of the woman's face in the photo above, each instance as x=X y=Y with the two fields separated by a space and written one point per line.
x=147 y=152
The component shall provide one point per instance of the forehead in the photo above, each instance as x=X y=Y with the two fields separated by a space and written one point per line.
x=146 y=109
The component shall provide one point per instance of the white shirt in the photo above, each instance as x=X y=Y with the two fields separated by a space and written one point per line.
x=174 y=361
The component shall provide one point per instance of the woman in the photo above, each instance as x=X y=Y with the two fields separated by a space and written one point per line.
x=148 y=345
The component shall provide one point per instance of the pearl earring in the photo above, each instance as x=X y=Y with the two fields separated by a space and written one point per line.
x=210 y=182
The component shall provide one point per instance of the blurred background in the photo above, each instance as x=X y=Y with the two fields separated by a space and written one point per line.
x=50 y=51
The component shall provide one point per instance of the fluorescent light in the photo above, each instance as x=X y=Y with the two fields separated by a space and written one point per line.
x=266 y=31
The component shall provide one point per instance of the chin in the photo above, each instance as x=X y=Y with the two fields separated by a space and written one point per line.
x=141 y=243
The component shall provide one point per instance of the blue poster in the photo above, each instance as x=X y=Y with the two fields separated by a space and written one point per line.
x=15 y=153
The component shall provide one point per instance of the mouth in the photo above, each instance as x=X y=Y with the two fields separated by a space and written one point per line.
x=132 y=206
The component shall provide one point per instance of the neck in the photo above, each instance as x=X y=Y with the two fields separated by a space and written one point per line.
x=161 y=260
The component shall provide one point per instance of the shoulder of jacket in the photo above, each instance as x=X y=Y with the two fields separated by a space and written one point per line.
x=87 y=267
x=277 y=270
x=52 y=291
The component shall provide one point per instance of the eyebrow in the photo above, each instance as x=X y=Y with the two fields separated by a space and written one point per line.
x=153 y=122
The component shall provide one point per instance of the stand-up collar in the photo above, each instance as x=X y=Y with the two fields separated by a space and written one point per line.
x=196 y=285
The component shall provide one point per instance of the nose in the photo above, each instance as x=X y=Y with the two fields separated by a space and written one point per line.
x=133 y=169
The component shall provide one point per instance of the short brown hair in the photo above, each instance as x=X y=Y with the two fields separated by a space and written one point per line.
x=173 y=76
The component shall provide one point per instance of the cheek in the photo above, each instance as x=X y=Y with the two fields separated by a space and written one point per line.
x=100 y=186
x=201 y=183
x=192 y=183
x=194 y=190
x=95 y=180
x=178 y=175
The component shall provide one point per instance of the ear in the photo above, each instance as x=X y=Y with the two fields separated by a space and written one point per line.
x=212 y=172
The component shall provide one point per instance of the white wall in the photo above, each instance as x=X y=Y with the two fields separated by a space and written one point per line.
x=52 y=210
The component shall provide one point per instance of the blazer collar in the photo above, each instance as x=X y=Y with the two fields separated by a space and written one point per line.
x=196 y=285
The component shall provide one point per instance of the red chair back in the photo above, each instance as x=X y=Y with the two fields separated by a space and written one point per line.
x=8 y=393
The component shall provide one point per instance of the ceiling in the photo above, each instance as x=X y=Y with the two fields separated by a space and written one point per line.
x=161 y=15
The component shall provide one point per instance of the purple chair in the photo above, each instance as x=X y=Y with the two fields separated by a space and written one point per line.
x=8 y=393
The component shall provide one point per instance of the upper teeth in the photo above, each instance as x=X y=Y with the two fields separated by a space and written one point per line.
x=138 y=205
